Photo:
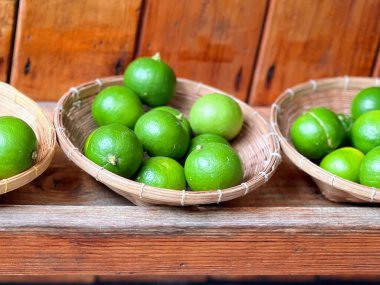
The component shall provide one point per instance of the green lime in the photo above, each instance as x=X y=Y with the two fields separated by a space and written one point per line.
x=344 y=162
x=162 y=134
x=317 y=132
x=201 y=140
x=18 y=146
x=163 y=172
x=347 y=121
x=216 y=114
x=370 y=169
x=366 y=100
x=213 y=166
x=152 y=79
x=366 y=131
x=179 y=116
x=117 y=105
x=116 y=148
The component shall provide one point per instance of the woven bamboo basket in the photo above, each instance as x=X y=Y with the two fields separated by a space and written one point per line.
x=14 y=103
x=257 y=145
x=335 y=94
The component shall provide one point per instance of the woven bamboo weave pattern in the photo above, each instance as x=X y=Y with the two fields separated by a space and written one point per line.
x=14 y=103
x=335 y=94
x=257 y=146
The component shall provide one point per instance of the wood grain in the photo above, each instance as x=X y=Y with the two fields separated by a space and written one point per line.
x=49 y=279
x=135 y=240
x=63 y=43
x=376 y=71
x=7 y=18
x=307 y=39
x=214 y=42
x=67 y=223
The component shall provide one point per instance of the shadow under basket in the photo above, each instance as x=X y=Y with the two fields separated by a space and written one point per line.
x=335 y=94
x=14 y=103
x=256 y=144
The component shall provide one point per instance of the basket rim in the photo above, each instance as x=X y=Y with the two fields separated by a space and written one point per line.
x=365 y=193
x=25 y=177
x=183 y=197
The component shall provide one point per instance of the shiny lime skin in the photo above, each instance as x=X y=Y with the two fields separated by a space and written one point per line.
x=344 y=162
x=317 y=132
x=216 y=114
x=347 y=121
x=201 y=140
x=366 y=100
x=162 y=134
x=18 y=146
x=179 y=116
x=370 y=169
x=117 y=104
x=213 y=166
x=162 y=172
x=366 y=131
x=152 y=79
x=116 y=148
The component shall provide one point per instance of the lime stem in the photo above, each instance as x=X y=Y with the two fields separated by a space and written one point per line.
x=198 y=147
x=180 y=117
x=156 y=56
x=112 y=159
x=34 y=155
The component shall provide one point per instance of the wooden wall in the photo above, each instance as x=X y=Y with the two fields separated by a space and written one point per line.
x=253 y=49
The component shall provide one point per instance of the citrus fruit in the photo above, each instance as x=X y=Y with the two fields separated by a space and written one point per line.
x=365 y=134
x=317 y=132
x=344 y=162
x=117 y=104
x=370 y=169
x=152 y=79
x=116 y=148
x=201 y=140
x=162 y=134
x=18 y=146
x=178 y=114
x=366 y=100
x=216 y=114
x=347 y=121
x=213 y=166
x=163 y=172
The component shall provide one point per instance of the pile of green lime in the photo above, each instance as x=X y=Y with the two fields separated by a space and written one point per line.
x=179 y=152
x=347 y=145
x=18 y=146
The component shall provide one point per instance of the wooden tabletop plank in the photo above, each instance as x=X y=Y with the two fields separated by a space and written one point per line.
x=188 y=220
x=65 y=222
x=135 y=241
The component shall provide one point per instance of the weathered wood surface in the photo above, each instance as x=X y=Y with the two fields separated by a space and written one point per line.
x=307 y=39
x=66 y=222
x=7 y=24
x=376 y=71
x=60 y=43
x=214 y=42
x=134 y=240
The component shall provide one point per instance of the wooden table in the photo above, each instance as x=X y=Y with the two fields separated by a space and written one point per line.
x=66 y=222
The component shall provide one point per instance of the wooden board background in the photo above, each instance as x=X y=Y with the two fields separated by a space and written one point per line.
x=7 y=20
x=62 y=43
x=308 y=39
x=252 y=49
x=214 y=42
